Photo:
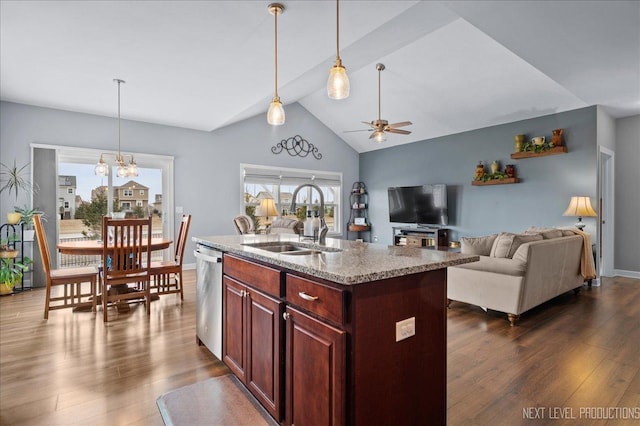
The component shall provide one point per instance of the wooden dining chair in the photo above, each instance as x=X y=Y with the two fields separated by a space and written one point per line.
x=68 y=282
x=167 y=275
x=126 y=261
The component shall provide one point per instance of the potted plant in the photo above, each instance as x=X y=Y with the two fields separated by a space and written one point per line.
x=14 y=180
x=7 y=247
x=11 y=272
x=26 y=219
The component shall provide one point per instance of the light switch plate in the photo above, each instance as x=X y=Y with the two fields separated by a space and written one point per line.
x=405 y=328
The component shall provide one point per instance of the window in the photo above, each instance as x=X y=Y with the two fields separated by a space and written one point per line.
x=139 y=203
x=66 y=204
x=125 y=205
x=69 y=190
x=261 y=182
x=142 y=192
x=127 y=193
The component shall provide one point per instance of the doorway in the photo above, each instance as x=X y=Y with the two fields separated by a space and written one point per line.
x=606 y=205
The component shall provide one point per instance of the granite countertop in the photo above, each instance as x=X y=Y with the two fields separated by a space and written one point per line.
x=341 y=261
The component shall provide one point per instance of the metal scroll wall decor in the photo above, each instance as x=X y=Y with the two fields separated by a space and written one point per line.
x=296 y=146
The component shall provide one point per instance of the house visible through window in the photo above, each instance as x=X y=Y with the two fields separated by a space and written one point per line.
x=66 y=204
x=263 y=182
x=142 y=192
x=69 y=190
x=127 y=192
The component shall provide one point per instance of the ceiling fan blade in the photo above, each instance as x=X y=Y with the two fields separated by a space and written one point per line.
x=361 y=130
x=373 y=135
x=368 y=123
x=399 y=131
x=401 y=124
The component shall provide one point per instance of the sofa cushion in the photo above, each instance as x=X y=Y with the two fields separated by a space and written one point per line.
x=477 y=245
x=547 y=233
x=507 y=243
x=497 y=265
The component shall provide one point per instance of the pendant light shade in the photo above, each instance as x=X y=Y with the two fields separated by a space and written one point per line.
x=338 y=83
x=275 y=114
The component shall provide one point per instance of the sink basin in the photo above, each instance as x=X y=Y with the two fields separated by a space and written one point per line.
x=282 y=247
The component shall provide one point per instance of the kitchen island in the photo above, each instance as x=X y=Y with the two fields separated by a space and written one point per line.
x=340 y=333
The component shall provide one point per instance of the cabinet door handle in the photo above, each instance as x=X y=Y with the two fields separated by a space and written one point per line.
x=286 y=316
x=305 y=296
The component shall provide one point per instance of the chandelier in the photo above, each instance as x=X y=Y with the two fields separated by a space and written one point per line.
x=124 y=169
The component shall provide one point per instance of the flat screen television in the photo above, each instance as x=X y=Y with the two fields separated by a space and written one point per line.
x=424 y=204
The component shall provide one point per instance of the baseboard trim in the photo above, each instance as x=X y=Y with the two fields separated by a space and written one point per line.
x=187 y=266
x=627 y=274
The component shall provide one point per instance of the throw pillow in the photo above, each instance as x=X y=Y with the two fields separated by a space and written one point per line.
x=547 y=233
x=480 y=246
x=507 y=243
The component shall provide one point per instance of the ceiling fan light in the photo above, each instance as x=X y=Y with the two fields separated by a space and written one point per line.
x=338 y=83
x=379 y=137
x=275 y=114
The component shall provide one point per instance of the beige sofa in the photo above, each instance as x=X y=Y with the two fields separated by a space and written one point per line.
x=520 y=274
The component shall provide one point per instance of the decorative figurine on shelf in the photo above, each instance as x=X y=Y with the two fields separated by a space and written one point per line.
x=556 y=139
x=495 y=167
x=538 y=140
x=518 y=142
x=479 y=171
x=510 y=170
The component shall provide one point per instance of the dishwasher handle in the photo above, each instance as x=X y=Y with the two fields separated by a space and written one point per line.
x=206 y=258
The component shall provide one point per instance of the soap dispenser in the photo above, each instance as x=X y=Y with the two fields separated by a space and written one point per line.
x=308 y=225
x=316 y=224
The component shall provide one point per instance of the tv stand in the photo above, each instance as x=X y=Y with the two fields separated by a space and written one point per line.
x=421 y=236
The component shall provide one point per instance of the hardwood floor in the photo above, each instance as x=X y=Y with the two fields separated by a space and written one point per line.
x=573 y=352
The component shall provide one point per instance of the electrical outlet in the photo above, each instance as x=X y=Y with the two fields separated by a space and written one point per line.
x=405 y=328
x=375 y=238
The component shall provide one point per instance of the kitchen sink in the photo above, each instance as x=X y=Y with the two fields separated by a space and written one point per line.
x=288 y=248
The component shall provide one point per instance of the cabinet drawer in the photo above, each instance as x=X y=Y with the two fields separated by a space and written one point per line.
x=259 y=276
x=327 y=302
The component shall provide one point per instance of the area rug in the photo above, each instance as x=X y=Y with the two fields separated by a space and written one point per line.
x=217 y=401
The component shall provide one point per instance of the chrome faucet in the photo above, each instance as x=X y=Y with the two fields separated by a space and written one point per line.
x=322 y=233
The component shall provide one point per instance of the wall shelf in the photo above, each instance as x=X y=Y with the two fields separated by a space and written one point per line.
x=529 y=154
x=504 y=181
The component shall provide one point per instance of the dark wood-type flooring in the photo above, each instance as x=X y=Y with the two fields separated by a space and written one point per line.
x=571 y=353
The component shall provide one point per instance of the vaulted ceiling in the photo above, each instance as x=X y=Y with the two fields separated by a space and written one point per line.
x=450 y=66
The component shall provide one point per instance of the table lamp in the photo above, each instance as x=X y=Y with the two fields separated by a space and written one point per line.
x=580 y=206
x=267 y=208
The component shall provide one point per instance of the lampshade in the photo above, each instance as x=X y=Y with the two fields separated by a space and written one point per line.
x=267 y=208
x=338 y=83
x=275 y=114
x=580 y=206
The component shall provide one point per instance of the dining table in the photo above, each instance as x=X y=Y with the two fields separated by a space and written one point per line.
x=95 y=247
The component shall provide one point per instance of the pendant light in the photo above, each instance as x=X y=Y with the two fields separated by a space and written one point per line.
x=338 y=83
x=275 y=114
x=124 y=170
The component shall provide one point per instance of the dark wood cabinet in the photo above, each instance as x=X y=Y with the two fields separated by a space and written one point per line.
x=315 y=371
x=252 y=345
x=336 y=356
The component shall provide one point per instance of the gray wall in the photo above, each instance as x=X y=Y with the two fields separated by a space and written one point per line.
x=627 y=176
x=207 y=171
x=540 y=199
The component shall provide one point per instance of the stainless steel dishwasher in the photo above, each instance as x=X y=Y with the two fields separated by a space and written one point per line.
x=209 y=298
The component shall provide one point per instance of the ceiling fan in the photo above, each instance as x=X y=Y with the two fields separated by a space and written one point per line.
x=379 y=127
